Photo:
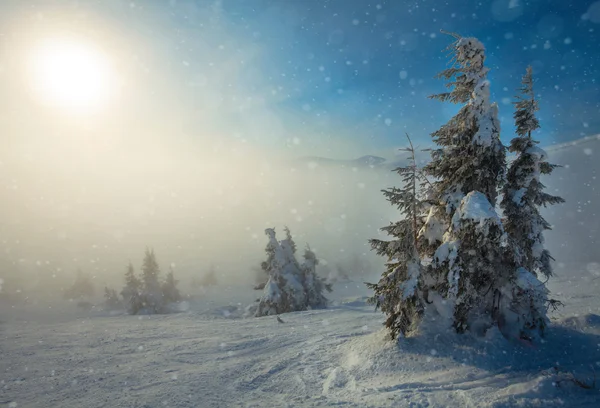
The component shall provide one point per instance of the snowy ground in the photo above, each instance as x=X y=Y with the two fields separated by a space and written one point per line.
x=207 y=356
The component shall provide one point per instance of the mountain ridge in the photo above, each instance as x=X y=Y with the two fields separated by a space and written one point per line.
x=373 y=161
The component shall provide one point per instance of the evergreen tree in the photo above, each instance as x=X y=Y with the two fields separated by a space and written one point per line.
x=472 y=263
x=132 y=292
x=82 y=287
x=313 y=284
x=399 y=291
x=522 y=198
x=293 y=270
x=152 y=297
x=169 y=288
x=523 y=191
x=111 y=299
x=283 y=291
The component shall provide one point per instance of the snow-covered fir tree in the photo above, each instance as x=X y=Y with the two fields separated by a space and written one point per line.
x=132 y=292
x=523 y=193
x=81 y=288
x=283 y=291
x=152 y=297
x=314 y=285
x=399 y=291
x=169 y=288
x=262 y=275
x=473 y=267
x=522 y=198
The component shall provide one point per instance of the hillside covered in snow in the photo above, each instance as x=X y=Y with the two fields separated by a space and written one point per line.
x=208 y=356
x=55 y=354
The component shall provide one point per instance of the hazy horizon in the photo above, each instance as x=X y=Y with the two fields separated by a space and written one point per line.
x=187 y=137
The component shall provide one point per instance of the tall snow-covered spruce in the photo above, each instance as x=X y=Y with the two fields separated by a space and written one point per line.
x=399 y=291
x=461 y=265
x=523 y=192
x=522 y=197
x=471 y=261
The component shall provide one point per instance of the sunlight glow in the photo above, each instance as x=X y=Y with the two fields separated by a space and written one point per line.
x=71 y=74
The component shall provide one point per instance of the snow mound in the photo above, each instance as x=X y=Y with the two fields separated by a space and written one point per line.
x=475 y=207
x=539 y=153
x=433 y=230
x=338 y=378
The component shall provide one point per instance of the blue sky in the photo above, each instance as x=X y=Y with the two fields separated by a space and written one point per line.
x=380 y=58
x=355 y=70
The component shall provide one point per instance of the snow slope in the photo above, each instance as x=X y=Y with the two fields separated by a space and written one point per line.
x=57 y=355
x=207 y=356
x=576 y=234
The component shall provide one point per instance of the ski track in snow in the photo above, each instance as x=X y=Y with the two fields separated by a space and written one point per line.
x=334 y=357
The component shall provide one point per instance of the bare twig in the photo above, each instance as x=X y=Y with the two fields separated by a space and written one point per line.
x=414 y=189
x=554 y=304
x=458 y=37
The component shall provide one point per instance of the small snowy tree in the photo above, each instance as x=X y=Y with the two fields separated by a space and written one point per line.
x=111 y=299
x=132 y=292
x=523 y=191
x=399 y=291
x=152 y=297
x=170 y=292
x=283 y=291
x=82 y=287
x=313 y=284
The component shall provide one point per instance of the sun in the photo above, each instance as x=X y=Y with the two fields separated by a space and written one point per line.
x=71 y=74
